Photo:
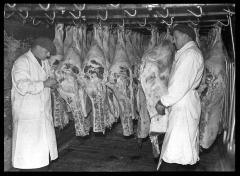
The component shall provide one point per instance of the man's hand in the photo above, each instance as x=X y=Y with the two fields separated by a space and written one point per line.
x=50 y=82
x=160 y=108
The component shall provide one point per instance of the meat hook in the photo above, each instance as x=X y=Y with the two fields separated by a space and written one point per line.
x=195 y=23
x=50 y=22
x=218 y=21
x=196 y=15
x=163 y=21
x=116 y=6
x=162 y=15
x=122 y=25
x=74 y=23
x=83 y=7
x=150 y=28
x=33 y=21
x=76 y=17
x=5 y=16
x=142 y=25
x=106 y=16
x=229 y=12
x=44 y=8
x=135 y=12
x=11 y=6
x=23 y=17
x=51 y=18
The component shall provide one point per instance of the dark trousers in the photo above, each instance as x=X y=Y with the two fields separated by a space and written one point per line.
x=176 y=167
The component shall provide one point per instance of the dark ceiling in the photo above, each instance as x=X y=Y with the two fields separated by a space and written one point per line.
x=132 y=15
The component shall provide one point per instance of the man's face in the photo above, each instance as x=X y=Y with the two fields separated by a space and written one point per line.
x=43 y=53
x=178 y=39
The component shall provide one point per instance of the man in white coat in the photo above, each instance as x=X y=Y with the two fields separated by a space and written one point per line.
x=180 y=149
x=34 y=139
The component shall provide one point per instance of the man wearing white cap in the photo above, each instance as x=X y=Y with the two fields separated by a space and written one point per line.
x=34 y=139
x=180 y=147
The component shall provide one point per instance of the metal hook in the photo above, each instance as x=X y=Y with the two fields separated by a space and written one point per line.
x=79 y=7
x=195 y=23
x=5 y=16
x=229 y=12
x=223 y=23
x=163 y=21
x=23 y=17
x=135 y=12
x=150 y=28
x=142 y=25
x=195 y=13
x=51 y=18
x=116 y=6
x=162 y=15
x=122 y=25
x=44 y=8
x=76 y=17
x=50 y=22
x=36 y=23
x=63 y=11
x=74 y=23
x=11 y=6
x=106 y=16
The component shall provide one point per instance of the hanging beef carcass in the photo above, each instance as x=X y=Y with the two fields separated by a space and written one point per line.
x=153 y=41
x=89 y=39
x=212 y=96
x=106 y=44
x=132 y=46
x=144 y=119
x=83 y=32
x=70 y=88
x=120 y=81
x=60 y=115
x=154 y=76
x=112 y=45
x=95 y=71
x=203 y=44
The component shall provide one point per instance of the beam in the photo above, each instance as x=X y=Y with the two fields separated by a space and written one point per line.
x=71 y=7
x=141 y=16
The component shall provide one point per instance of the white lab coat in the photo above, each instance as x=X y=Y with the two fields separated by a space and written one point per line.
x=180 y=143
x=33 y=131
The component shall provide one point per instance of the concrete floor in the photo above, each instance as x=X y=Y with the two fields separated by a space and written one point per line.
x=114 y=153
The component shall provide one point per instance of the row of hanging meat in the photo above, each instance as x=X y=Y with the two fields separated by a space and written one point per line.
x=103 y=76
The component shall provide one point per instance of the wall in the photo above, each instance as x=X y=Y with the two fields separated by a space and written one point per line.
x=20 y=31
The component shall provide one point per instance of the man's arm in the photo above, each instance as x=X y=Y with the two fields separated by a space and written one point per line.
x=21 y=79
x=182 y=79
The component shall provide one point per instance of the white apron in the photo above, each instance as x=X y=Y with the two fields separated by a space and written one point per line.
x=33 y=131
x=180 y=143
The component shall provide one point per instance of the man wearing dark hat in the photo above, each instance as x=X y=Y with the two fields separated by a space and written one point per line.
x=34 y=139
x=180 y=149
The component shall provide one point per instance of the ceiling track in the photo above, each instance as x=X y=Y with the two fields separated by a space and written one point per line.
x=140 y=16
x=72 y=7
x=135 y=15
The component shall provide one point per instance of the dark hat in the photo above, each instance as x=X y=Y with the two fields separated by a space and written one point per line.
x=185 y=29
x=45 y=43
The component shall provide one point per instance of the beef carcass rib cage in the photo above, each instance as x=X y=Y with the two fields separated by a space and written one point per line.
x=95 y=76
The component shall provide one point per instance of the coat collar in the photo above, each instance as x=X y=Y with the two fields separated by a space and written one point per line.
x=33 y=58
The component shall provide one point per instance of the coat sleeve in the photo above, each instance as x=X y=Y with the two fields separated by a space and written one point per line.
x=21 y=79
x=182 y=78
